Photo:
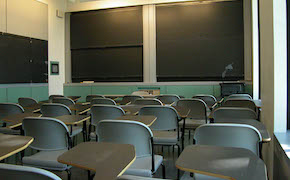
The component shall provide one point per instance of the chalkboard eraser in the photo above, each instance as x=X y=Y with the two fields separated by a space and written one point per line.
x=87 y=82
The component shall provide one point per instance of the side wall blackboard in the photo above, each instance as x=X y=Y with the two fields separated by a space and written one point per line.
x=107 y=45
x=23 y=59
x=196 y=41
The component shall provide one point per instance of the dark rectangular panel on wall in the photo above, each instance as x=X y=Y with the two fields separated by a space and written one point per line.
x=18 y=56
x=106 y=65
x=107 y=45
x=110 y=27
x=199 y=41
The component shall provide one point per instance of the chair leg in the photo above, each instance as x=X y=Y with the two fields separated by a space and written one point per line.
x=84 y=136
x=163 y=171
x=189 y=134
x=68 y=174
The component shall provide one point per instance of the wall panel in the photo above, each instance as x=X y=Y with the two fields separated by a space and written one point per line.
x=27 y=18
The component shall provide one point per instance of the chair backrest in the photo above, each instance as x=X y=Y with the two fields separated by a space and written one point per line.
x=7 y=109
x=51 y=97
x=54 y=110
x=100 y=112
x=26 y=101
x=126 y=132
x=197 y=108
x=63 y=100
x=92 y=96
x=241 y=103
x=15 y=172
x=107 y=101
x=168 y=98
x=147 y=101
x=229 y=135
x=167 y=117
x=130 y=98
x=240 y=96
x=233 y=113
x=210 y=100
x=48 y=133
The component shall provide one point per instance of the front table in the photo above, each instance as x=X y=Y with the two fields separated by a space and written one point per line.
x=108 y=160
x=222 y=162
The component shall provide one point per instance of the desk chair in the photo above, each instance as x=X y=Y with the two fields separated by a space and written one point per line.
x=92 y=96
x=54 y=110
x=197 y=115
x=168 y=98
x=147 y=101
x=107 y=101
x=15 y=172
x=137 y=134
x=100 y=112
x=63 y=100
x=241 y=103
x=51 y=139
x=51 y=97
x=233 y=113
x=129 y=99
x=240 y=96
x=227 y=135
x=27 y=101
x=165 y=129
x=7 y=109
x=209 y=100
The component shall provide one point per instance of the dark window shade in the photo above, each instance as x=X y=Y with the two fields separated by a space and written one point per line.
x=196 y=41
x=107 y=45
x=106 y=28
x=23 y=59
x=109 y=64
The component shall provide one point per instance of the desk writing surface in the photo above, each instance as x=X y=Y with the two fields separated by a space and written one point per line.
x=134 y=109
x=222 y=162
x=12 y=144
x=34 y=108
x=16 y=119
x=253 y=122
x=80 y=108
x=108 y=160
x=73 y=119
x=147 y=120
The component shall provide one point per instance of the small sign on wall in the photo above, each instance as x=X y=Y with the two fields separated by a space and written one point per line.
x=54 y=68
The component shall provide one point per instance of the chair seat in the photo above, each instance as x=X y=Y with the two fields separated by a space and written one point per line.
x=165 y=137
x=204 y=177
x=192 y=123
x=45 y=160
x=129 y=177
x=75 y=130
x=5 y=130
x=142 y=166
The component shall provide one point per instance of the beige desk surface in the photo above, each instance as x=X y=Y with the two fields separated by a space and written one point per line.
x=73 y=119
x=222 y=162
x=147 y=120
x=257 y=124
x=12 y=144
x=134 y=109
x=16 y=119
x=108 y=160
x=33 y=108
x=80 y=108
x=122 y=95
x=74 y=98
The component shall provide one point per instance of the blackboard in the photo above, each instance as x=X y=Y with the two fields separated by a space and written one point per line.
x=107 y=45
x=23 y=59
x=196 y=41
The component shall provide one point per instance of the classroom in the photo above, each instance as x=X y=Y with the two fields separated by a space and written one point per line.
x=144 y=89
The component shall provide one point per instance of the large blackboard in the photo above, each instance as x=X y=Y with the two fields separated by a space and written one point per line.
x=23 y=59
x=196 y=41
x=107 y=45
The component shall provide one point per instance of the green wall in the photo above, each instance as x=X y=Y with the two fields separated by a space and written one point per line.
x=11 y=93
